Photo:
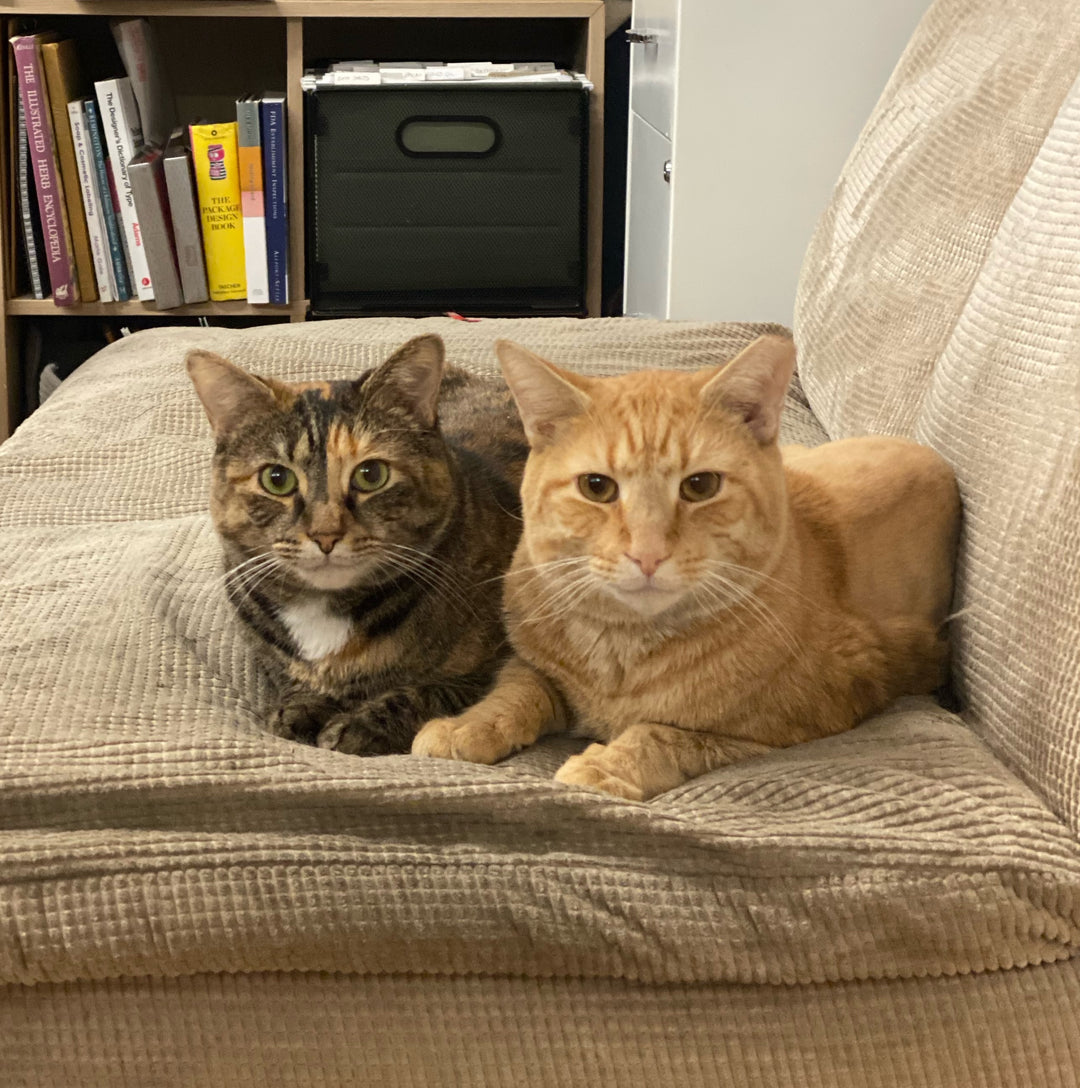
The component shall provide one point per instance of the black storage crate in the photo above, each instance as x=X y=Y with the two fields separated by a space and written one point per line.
x=423 y=198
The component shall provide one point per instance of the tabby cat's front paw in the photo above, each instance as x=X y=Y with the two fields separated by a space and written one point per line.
x=354 y=734
x=301 y=719
x=593 y=770
x=470 y=737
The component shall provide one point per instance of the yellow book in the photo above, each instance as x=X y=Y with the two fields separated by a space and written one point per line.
x=64 y=81
x=217 y=178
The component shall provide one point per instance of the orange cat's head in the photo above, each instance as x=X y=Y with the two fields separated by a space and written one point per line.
x=652 y=492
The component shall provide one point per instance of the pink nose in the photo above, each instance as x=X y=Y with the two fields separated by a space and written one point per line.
x=325 y=541
x=648 y=563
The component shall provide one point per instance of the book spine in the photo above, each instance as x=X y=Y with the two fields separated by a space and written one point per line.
x=277 y=208
x=43 y=164
x=120 y=278
x=124 y=137
x=148 y=188
x=217 y=177
x=60 y=64
x=138 y=50
x=249 y=158
x=26 y=215
x=99 y=246
x=184 y=212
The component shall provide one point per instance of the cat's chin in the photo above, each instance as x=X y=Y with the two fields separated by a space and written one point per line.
x=647 y=601
x=329 y=576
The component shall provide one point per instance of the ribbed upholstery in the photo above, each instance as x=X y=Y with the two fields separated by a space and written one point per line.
x=1008 y=1029
x=941 y=298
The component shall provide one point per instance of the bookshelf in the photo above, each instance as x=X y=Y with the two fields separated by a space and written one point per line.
x=214 y=51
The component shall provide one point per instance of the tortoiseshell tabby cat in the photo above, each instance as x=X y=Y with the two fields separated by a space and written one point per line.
x=365 y=526
x=689 y=594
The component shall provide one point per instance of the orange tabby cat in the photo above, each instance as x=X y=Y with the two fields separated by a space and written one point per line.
x=688 y=593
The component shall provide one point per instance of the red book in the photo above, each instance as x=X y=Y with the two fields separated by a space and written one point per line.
x=50 y=193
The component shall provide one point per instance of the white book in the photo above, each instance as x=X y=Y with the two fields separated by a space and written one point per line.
x=123 y=137
x=252 y=198
x=91 y=198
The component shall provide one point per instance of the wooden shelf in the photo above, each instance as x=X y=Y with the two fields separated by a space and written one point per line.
x=276 y=56
x=350 y=9
x=25 y=306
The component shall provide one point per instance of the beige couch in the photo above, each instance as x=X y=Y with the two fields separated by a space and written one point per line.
x=186 y=900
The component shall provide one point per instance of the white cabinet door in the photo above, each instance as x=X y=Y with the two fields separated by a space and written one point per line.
x=648 y=223
x=652 y=63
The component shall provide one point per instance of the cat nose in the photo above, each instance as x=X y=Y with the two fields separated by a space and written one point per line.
x=649 y=562
x=325 y=541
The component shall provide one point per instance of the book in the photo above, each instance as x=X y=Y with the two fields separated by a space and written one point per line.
x=64 y=81
x=147 y=175
x=50 y=196
x=249 y=158
x=108 y=207
x=138 y=50
x=33 y=241
x=275 y=189
x=123 y=138
x=184 y=211
x=217 y=179
x=91 y=201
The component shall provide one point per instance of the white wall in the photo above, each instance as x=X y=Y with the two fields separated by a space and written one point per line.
x=771 y=96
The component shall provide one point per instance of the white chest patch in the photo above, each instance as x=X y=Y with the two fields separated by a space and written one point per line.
x=314 y=628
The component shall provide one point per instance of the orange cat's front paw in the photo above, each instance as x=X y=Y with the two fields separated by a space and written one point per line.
x=590 y=769
x=468 y=737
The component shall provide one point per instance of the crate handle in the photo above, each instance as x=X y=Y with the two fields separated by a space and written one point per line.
x=448 y=136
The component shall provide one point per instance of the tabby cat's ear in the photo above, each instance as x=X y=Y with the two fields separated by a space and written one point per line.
x=231 y=396
x=546 y=395
x=753 y=384
x=411 y=377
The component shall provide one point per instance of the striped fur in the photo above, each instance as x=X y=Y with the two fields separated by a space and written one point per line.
x=796 y=594
x=376 y=610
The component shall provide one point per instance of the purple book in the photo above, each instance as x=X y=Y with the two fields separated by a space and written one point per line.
x=27 y=49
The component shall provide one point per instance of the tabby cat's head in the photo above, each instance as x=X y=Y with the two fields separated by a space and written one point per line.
x=652 y=491
x=336 y=483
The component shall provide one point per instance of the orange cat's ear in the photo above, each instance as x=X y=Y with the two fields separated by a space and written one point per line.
x=231 y=396
x=546 y=395
x=753 y=385
x=412 y=376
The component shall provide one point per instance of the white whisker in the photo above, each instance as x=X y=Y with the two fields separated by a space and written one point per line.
x=762 y=611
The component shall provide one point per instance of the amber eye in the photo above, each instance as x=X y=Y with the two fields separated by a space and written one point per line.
x=278 y=480
x=370 y=475
x=700 y=486
x=597 y=488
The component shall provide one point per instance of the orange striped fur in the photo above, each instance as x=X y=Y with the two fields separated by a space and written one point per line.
x=685 y=632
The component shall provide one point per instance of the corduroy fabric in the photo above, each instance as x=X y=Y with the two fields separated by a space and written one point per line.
x=941 y=298
x=152 y=826
x=1009 y=1029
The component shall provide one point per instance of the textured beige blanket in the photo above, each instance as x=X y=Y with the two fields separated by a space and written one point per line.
x=150 y=825
x=941 y=298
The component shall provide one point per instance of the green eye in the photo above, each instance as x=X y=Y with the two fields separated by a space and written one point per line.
x=278 y=480
x=598 y=488
x=700 y=486
x=370 y=475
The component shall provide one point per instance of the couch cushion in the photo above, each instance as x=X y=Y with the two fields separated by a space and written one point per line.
x=150 y=825
x=941 y=298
